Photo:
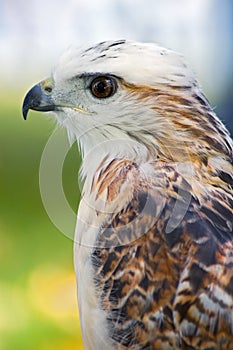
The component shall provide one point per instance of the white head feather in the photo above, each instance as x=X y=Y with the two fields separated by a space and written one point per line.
x=126 y=124
x=137 y=63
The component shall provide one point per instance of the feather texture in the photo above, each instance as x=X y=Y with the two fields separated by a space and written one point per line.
x=168 y=290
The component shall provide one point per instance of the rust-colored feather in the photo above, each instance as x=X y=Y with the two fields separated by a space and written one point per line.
x=168 y=290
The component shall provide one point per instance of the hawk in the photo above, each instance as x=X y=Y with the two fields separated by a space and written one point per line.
x=153 y=245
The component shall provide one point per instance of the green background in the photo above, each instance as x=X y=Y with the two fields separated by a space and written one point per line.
x=38 y=307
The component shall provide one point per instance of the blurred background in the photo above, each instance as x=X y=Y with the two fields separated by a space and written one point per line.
x=38 y=308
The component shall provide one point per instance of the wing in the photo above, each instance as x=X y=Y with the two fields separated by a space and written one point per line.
x=163 y=259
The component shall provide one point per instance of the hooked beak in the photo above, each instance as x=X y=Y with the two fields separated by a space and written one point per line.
x=39 y=98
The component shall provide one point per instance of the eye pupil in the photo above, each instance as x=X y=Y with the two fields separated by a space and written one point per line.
x=103 y=87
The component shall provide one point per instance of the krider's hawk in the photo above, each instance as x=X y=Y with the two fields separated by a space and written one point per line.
x=154 y=241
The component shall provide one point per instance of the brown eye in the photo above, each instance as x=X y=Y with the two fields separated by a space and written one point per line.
x=103 y=87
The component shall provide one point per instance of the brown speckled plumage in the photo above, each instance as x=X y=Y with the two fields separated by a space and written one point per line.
x=174 y=290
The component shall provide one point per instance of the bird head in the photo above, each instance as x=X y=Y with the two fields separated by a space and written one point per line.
x=129 y=98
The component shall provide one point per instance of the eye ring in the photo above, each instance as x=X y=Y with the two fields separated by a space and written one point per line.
x=103 y=87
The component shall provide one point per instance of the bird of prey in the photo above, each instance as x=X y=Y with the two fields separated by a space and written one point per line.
x=153 y=245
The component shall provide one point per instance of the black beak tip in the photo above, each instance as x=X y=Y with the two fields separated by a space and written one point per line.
x=25 y=110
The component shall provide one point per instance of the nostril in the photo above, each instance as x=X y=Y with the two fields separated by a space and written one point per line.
x=48 y=89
